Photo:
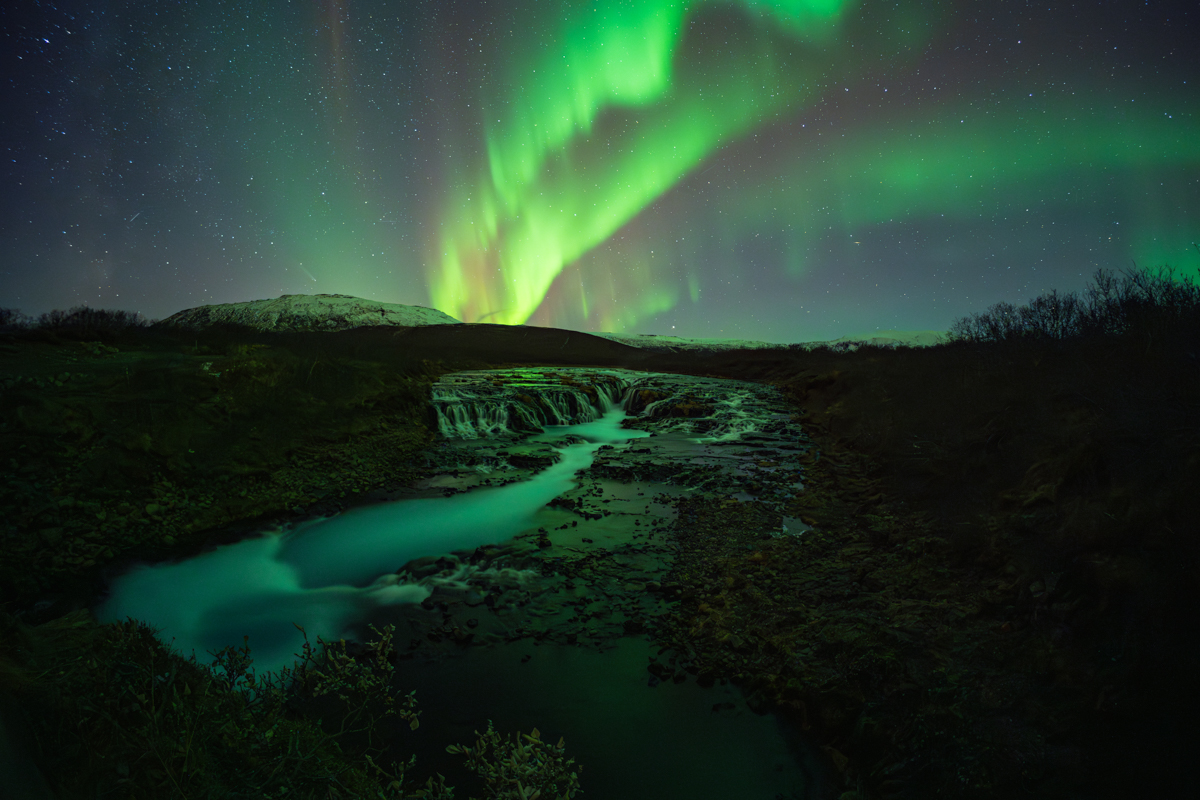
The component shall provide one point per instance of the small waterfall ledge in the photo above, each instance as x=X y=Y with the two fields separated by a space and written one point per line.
x=513 y=403
x=481 y=404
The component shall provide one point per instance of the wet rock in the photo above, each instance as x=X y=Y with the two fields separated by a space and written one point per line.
x=423 y=567
x=530 y=461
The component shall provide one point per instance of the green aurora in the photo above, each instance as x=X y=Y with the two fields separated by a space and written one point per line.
x=960 y=166
x=561 y=175
x=618 y=104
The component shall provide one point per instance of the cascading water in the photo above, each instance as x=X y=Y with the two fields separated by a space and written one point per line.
x=511 y=403
x=395 y=533
x=570 y=468
x=477 y=404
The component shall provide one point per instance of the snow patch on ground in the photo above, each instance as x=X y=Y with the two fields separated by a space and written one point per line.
x=894 y=338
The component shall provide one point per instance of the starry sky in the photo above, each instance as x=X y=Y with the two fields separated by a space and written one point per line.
x=784 y=170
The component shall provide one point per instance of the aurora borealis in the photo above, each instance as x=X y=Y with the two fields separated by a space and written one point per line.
x=775 y=169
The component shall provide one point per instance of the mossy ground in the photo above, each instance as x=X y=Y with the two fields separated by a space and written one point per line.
x=995 y=598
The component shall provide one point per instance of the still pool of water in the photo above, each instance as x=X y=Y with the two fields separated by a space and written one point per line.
x=669 y=742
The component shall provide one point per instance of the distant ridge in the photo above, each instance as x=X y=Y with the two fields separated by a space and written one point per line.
x=309 y=312
x=894 y=338
x=678 y=344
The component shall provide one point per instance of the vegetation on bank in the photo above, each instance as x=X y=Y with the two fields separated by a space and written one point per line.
x=125 y=446
x=127 y=717
x=1016 y=509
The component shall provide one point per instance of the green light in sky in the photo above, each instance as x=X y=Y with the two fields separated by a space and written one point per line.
x=607 y=105
x=966 y=165
x=596 y=118
x=1013 y=171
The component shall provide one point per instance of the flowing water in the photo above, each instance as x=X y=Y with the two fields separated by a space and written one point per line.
x=523 y=574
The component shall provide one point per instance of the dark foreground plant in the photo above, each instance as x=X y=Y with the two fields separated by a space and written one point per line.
x=128 y=716
x=525 y=768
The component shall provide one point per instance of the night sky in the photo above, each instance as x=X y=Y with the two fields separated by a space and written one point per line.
x=785 y=170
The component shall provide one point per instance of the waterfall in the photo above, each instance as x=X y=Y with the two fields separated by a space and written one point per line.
x=481 y=404
x=487 y=404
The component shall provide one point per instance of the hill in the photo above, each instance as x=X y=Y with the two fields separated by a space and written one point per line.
x=307 y=312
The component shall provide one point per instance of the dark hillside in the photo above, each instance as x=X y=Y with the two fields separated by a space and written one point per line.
x=1048 y=487
x=500 y=344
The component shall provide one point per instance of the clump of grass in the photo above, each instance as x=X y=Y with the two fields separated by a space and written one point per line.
x=524 y=768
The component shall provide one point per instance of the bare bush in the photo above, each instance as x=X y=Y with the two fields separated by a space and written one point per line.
x=13 y=318
x=86 y=320
x=1148 y=302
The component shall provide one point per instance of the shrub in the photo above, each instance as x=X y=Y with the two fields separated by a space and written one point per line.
x=13 y=318
x=129 y=717
x=1139 y=301
x=133 y=718
x=521 y=770
x=91 y=321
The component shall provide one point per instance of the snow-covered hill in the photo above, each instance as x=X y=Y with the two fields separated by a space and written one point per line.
x=307 y=312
